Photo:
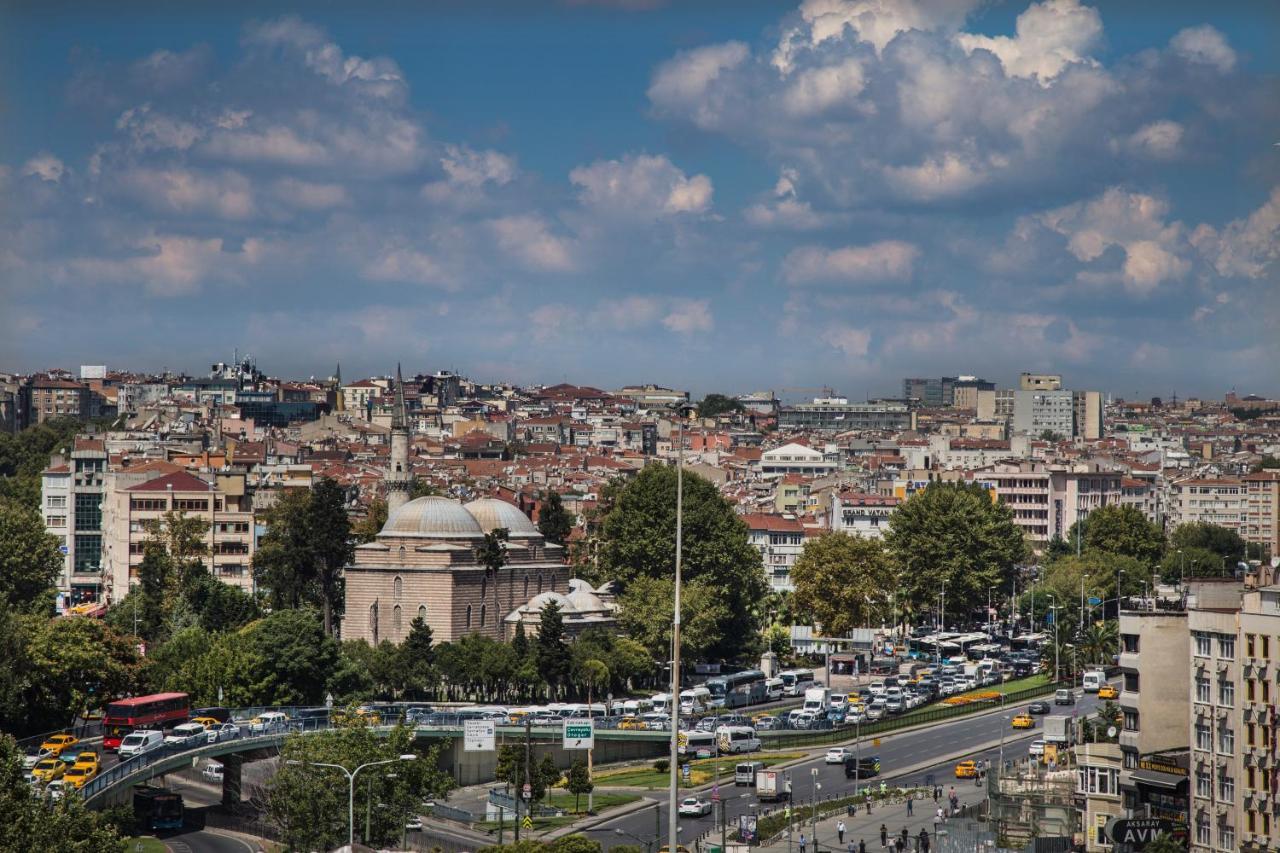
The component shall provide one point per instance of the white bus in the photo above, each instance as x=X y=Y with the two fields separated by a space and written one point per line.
x=696 y=744
x=796 y=681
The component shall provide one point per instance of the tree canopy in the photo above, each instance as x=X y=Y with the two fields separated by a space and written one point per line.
x=1222 y=541
x=1119 y=530
x=637 y=543
x=554 y=521
x=953 y=532
x=29 y=558
x=714 y=405
x=843 y=582
x=34 y=822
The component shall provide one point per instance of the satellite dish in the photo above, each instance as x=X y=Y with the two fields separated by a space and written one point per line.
x=1275 y=562
x=1111 y=731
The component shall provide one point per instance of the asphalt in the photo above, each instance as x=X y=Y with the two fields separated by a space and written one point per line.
x=909 y=758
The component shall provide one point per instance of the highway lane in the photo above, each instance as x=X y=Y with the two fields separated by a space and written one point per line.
x=963 y=736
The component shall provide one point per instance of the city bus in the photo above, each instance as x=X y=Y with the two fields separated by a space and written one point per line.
x=157 y=808
x=157 y=711
x=796 y=681
x=737 y=689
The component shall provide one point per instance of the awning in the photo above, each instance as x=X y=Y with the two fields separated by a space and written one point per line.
x=1158 y=779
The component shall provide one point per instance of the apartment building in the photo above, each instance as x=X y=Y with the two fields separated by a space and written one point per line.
x=796 y=458
x=1098 y=792
x=1039 y=412
x=1221 y=501
x=1155 y=664
x=1261 y=523
x=1087 y=407
x=837 y=413
x=779 y=539
x=1048 y=499
x=1040 y=382
x=71 y=501
x=1144 y=495
x=860 y=514
x=48 y=398
x=222 y=502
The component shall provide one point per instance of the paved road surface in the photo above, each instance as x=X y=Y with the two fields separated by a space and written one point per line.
x=896 y=751
x=204 y=841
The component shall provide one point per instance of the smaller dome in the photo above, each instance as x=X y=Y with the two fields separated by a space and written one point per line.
x=433 y=518
x=491 y=513
x=542 y=599
x=585 y=601
x=576 y=584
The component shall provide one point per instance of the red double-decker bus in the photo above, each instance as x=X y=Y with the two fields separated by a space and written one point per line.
x=142 y=712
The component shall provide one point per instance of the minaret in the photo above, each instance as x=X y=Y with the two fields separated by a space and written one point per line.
x=339 y=401
x=399 y=476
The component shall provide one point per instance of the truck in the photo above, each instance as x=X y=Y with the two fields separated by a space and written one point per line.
x=770 y=786
x=817 y=699
x=1060 y=729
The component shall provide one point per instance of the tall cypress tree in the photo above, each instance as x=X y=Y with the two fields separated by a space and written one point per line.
x=552 y=651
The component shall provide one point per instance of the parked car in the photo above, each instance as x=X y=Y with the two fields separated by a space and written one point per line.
x=706 y=724
x=413 y=824
x=838 y=755
x=223 y=731
x=268 y=721
x=770 y=724
x=877 y=710
x=212 y=772
x=695 y=807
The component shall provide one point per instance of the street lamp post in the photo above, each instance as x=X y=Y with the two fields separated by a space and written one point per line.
x=351 y=787
x=813 y=809
x=673 y=807
x=1080 y=627
x=1053 y=605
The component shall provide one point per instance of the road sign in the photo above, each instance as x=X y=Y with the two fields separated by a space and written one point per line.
x=527 y=823
x=685 y=771
x=64 y=550
x=479 y=736
x=527 y=791
x=1094 y=601
x=579 y=734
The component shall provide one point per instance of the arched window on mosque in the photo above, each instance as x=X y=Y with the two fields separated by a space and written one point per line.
x=468 y=616
x=395 y=621
x=539 y=583
x=484 y=609
x=422 y=612
x=397 y=587
x=484 y=588
x=402 y=555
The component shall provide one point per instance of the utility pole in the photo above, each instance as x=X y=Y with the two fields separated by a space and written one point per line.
x=673 y=816
x=813 y=810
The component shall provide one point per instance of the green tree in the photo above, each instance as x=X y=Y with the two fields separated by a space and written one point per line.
x=515 y=767
x=1222 y=541
x=1163 y=843
x=637 y=543
x=578 y=781
x=1120 y=530
x=309 y=804
x=29 y=558
x=1103 y=569
x=33 y=822
x=552 y=651
x=492 y=554
x=952 y=533
x=73 y=664
x=25 y=454
x=417 y=659
x=218 y=606
x=330 y=529
x=646 y=613
x=714 y=405
x=1193 y=563
x=368 y=527
x=554 y=521
x=423 y=489
x=1098 y=643
x=842 y=582
x=778 y=639
x=296 y=655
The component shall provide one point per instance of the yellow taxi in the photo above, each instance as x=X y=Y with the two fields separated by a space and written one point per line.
x=966 y=770
x=78 y=776
x=632 y=724
x=56 y=744
x=206 y=721
x=88 y=759
x=48 y=770
x=1107 y=691
x=1024 y=721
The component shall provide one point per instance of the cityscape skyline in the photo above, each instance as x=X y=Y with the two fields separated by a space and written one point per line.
x=788 y=195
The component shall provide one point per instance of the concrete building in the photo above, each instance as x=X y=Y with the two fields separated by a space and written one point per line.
x=653 y=396
x=1098 y=792
x=423 y=563
x=796 y=458
x=1222 y=501
x=133 y=507
x=48 y=398
x=1039 y=412
x=861 y=514
x=71 y=500
x=780 y=540
x=1048 y=499
x=1155 y=664
x=1261 y=523
x=837 y=413
x=1088 y=414
x=1040 y=382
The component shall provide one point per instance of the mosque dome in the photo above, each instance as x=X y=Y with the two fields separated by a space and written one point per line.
x=433 y=518
x=491 y=513
x=542 y=599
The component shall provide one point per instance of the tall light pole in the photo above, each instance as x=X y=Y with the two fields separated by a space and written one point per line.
x=813 y=809
x=673 y=807
x=1056 y=662
x=351 y=787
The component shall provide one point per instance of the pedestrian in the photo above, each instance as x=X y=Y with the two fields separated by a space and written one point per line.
x=862 y=846
x=939 y=818
x=910 y=800
x=923 y=841
x=898 y=844
x=801 y=842
x=884 y=835
x=840 y=831
x=937 y=792
x=851 y=848
x=868 y=801
x=951 y=795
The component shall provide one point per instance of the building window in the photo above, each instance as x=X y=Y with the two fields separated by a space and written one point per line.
x=1130 y=643
x=468 y=616
x=395 y=621
x=1248 y=645
x=1227 y=648
x=1203 y=646
x=402 y=555
x=539 y=583
x=1226 y=741
x=484 y=591
x=1204 y=787
x=1248 y=690
x=1131 y=721
x=1202 y=832
x=526 y=587
x=1202 y=690
x=1226 y=694
x=88 y=511
x=88 y=553
x=484 y=610
x=422 y=612
x=1266 y=647
x=1227 y=837
x=1204 y=739
x=397 y=588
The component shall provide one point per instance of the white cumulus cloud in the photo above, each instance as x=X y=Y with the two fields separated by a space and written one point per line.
x=1050 y=36
x=528 y=239
x=641 y=185
x=882 y=261
x=46 y=167
x=1204 y=45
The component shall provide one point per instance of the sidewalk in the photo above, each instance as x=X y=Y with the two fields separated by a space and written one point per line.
x=864 y=827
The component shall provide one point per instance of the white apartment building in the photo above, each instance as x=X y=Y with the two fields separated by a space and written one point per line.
x=1037 y=412
x=71 y=501
x=780 y=540
x=796 y=458
x=860 y=514
x=1048 y=499
x=1221 y=501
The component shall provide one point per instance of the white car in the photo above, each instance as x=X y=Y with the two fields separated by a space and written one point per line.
x=223 y=731
x=33 y=756
x=414 y=824
x=55 y=790
x=187 y=734
x=1037 y=748
x=212 y=772
x=837 y=755
x=694 y=807
x=877 y=710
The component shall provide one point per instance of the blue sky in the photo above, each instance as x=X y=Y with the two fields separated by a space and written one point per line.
x=722 y=196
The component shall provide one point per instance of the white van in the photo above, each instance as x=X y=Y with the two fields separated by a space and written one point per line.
x=745 y=772
x=661 y=702
x=636 y=707
x=774 y=688
x=1094 y=680
x=733 y=739
x=694 y=699
x=187 y=734
x=140 y=742
x=696 y=744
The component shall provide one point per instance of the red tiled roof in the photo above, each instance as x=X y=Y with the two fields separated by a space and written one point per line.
x=179 y=481
x=772 y=523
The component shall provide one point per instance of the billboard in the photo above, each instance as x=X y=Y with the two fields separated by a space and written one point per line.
x=479 y=736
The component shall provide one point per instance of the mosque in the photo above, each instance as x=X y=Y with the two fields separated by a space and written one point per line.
x=424 y=563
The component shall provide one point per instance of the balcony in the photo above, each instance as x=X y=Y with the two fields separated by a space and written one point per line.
x=1129 y=700
x=1129 y=662
x=1129 y=740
